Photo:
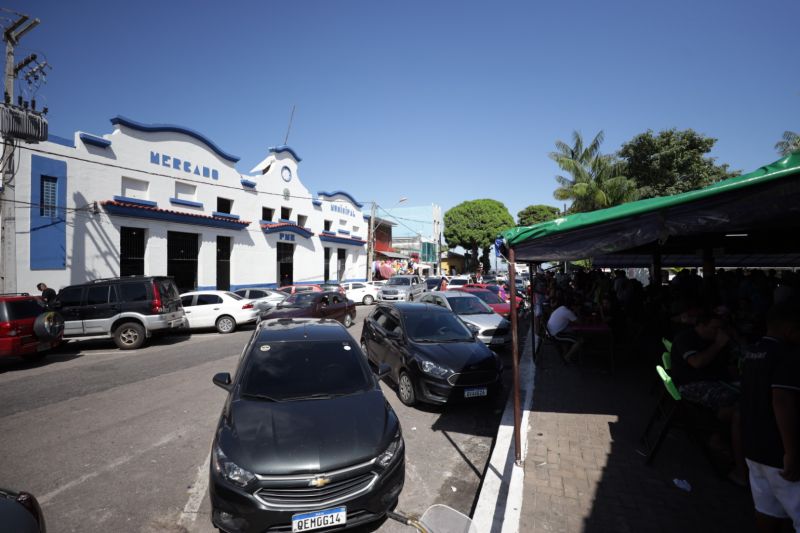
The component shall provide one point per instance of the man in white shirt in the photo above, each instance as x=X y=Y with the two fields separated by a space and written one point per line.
x=559 y=325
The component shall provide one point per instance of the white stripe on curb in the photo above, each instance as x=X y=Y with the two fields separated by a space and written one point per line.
x=500 y=501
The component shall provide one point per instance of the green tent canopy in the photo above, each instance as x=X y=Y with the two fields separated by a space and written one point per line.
x=757 y=213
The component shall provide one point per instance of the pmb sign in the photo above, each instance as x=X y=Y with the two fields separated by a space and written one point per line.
x=286 y=236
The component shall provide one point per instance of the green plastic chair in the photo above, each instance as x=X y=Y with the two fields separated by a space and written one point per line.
x=667 y=344
x=660 y=421
x=666 y=360
x=668 y=384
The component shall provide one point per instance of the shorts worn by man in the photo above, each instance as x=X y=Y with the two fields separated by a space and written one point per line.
x=699 y=359
x=770 y=403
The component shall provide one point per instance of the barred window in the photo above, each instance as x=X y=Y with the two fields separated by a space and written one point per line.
x=47 y=202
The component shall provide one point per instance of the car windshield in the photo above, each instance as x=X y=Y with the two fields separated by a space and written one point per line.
x=488 y=297
x=285 y=371
x=436 y=327
x=454 y=282
x=468 y=305
x=299 y=299
x=399 y=281
x=234 y=295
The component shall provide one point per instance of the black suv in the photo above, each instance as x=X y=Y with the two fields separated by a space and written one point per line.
x=127 y=309
x=306 y=438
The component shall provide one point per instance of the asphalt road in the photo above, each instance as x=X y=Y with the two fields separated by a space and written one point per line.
x=119 y=441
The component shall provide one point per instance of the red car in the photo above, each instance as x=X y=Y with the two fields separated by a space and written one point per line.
x=491 y=299
x=495 y=289
x=27 y=328
x=292 y=289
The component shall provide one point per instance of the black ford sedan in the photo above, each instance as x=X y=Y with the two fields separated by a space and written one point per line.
x=306 y=439
x=432 y=355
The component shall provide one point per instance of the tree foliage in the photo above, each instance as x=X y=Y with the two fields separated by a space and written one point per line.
x=534 y=214
x=671 y=162
x=789 y=143
x=475 y=224
x=594 y=181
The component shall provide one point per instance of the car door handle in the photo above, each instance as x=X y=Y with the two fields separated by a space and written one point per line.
x=187 y=311
x=216 y=309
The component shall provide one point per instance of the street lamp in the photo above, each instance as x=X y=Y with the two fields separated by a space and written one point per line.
x=372 y=228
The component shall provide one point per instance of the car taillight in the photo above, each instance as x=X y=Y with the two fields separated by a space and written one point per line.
x=7 y=329
x=247 y=306
x=156 y=306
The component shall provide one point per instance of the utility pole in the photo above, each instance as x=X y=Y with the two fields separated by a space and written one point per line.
x=371 y=243
x=8 y=227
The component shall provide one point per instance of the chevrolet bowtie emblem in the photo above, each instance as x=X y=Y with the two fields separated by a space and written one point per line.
x=319 y=482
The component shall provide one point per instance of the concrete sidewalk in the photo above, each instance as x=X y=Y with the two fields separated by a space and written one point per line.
x=581 y=471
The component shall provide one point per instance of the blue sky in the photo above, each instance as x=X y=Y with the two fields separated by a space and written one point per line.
x=437 y=101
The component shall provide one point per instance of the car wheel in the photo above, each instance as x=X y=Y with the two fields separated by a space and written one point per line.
x=48 y=326
x=405 y=389
x=368 y=300
x=225 y=324
x=348 y=320
x=129 y=336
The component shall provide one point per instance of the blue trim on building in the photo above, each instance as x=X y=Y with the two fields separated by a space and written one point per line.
x=170 y=216
x=341 y=240
x=284 y=148
x=248 y=183
x=343 y=231
x=266 y=222
x=94 y=140
x=225 y=215
x=48 y=236
x=279 y=228
x=63 y=141
x=188 y=203
x=326 y=232
x=286 y=220
x=155 y=128
x=128 y=200
x=341 y=193
x=317 y=203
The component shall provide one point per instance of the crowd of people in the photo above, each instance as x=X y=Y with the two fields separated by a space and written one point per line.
x=735 y=352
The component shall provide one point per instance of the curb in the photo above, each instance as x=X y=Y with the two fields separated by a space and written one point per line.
x=500 y=500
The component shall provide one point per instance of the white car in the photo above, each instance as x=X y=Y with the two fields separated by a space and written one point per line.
x=217 y=309
x=263 y=299
x=361 y=292
x=458 y=281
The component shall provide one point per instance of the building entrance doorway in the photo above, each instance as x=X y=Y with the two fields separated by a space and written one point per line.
x=285 y=264
x=182 y=251
x=131 y=251
x=341 y=263
x=223 y=263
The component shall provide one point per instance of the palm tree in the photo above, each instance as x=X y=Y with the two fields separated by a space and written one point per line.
x=789 y=144
x=595 y=181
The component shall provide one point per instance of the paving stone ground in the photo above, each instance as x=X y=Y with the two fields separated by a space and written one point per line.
x=582 y=471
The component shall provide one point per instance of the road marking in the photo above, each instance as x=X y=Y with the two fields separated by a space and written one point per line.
x=110 y=466
x=196 y=494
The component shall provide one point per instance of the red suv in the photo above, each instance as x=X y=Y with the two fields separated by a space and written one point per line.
x=27 y=327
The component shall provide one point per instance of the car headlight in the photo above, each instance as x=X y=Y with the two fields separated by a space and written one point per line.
x=429 y=367
x=229 y=470
x=392 y=452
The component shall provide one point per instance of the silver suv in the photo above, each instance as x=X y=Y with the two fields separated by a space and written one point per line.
x=402 y=288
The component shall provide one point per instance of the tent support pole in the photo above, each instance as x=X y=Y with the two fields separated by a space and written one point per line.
x=655 y=269
x=708 y=274
x=515 y=354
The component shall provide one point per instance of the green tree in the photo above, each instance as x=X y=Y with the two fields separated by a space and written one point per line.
x=671 y=162
x=534 y=214
x=789 y=144
x=594 y=181
x=475 y=224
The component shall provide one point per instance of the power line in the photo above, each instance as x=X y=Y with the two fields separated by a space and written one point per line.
x=158 y=174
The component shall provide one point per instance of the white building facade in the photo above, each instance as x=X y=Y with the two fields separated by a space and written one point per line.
x=159 y=199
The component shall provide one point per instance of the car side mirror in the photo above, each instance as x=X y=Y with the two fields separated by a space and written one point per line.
x=383 y=370
x=223 y=380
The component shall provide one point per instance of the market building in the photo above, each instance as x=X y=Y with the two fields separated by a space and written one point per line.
x=161 y=199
